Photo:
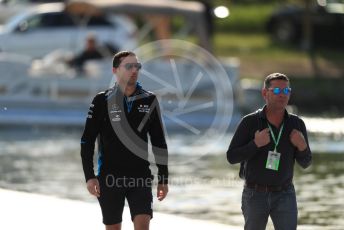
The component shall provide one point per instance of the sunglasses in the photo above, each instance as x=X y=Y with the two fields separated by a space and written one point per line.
x=130 y=66
x=278 y=90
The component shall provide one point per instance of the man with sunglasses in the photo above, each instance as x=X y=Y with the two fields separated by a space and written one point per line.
x=266 y=144
x=121 y=119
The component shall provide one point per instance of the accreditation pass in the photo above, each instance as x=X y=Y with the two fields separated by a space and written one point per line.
x=273 y=160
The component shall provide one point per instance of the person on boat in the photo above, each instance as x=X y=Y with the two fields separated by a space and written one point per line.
x=92 y=51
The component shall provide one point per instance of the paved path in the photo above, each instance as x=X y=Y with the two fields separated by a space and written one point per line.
x=19 y=210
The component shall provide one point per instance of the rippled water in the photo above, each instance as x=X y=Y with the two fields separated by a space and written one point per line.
x=202 y=186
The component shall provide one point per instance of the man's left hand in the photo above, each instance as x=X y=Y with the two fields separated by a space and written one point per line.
x=162 y=191
x=298 y=140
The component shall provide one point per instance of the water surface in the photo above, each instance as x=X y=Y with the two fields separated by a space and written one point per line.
x=202 y=184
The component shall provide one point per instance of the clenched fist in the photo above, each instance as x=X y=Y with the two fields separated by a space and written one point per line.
x=262 y=138
x=162 y=191
x=93 y=187
x=298 y=140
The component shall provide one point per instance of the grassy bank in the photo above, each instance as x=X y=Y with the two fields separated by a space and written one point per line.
x=321 y=96
x=246 y=18
x=256 y=45
x=243 y=35
x=259 y=56
x=316 y=77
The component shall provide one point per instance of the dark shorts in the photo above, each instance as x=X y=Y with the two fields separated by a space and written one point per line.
x=112 y=200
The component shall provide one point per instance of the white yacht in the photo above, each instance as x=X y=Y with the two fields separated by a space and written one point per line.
x=195 y=90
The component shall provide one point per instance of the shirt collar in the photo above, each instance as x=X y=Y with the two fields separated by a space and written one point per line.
x=117 y=89
x=262 y=113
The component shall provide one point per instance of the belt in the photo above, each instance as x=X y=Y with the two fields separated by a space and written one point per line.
x=267 y=188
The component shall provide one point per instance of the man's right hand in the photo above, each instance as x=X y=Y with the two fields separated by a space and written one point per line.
x=93 y=187
x=262 y=138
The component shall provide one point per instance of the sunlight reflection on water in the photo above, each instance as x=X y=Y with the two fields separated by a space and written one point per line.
x=207 y=188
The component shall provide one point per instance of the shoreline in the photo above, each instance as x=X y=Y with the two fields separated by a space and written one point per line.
x=23 y=210
x=310 y=96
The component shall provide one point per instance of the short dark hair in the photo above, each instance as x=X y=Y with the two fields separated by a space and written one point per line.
x=274 y=76
x=118 y=57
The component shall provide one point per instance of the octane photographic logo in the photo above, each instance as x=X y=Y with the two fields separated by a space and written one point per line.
x=194 y=95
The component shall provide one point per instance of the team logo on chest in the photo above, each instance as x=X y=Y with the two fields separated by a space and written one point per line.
x=115 y=109
x=115 y=112
x=143 y=108
x=117 y=117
